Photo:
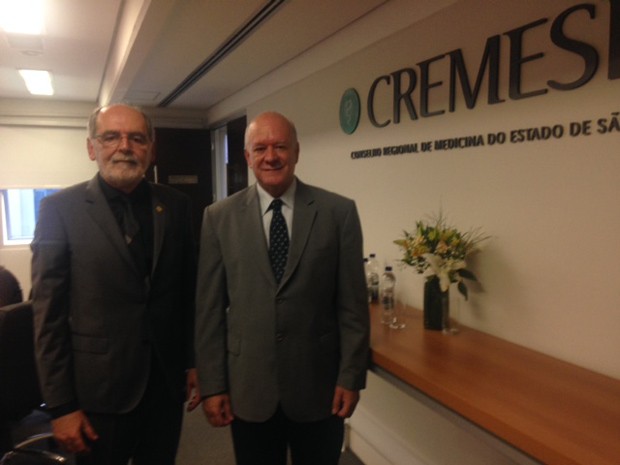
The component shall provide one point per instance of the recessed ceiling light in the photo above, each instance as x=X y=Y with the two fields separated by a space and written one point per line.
x=37 y=81
x=22 y=16
x=25 y=42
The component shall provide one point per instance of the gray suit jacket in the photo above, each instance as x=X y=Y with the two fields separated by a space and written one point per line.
x=292 y=343
x=97 y=319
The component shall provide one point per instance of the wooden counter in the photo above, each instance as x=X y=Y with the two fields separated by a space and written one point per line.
x=554 y=411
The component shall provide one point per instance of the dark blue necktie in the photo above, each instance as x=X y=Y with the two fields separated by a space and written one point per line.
x=278 y=240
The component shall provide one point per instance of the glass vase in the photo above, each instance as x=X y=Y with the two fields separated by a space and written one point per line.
x=436 y=305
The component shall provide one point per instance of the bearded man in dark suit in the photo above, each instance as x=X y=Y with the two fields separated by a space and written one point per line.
x=113 y=274
x=282 y=322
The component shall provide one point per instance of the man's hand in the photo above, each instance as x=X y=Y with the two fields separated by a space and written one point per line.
x=192 y=395
x=218 y=410
x=344 y=402
x=73 y=431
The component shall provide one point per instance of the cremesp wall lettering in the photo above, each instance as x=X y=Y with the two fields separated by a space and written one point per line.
x=607 y=124
x=411 y=89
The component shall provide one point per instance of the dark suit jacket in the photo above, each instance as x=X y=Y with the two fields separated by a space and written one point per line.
x=265 y=343
x=98 y=321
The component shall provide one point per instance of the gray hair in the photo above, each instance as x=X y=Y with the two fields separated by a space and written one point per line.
x=92 y=120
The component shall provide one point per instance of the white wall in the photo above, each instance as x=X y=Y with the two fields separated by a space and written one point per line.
x=549 y=274
x=400 y=426
x=34 y=156
x=43 y=144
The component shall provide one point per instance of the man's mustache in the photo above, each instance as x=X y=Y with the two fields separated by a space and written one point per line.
x=131 y=160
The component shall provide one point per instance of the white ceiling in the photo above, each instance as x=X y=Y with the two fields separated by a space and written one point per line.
x=142 y=51
x=74 y=48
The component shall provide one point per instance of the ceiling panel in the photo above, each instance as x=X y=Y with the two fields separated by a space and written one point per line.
x=297 y=26
x=140 y=51
x=74 y=48
x=194 y=30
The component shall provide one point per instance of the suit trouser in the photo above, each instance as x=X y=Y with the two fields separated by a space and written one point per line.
x=148 y=435
x=313 y=443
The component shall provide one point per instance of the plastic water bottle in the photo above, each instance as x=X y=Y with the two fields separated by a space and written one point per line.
x=387 y=291
x=368 y=289
x=372 y=278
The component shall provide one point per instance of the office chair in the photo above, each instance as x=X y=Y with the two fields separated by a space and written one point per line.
x=19 y=385
x=19 y=389
x=36 y=450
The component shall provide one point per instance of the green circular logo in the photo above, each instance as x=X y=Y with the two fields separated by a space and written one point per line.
x=349 y=111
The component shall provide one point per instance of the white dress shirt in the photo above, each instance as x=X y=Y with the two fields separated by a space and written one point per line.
x=288 y=203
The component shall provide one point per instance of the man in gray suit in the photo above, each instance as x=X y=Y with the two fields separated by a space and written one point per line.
x=281 y=344
x=113 y=274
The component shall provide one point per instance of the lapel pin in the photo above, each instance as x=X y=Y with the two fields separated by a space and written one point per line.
x=159 y=209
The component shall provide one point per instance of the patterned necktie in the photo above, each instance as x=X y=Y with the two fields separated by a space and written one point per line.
x=130 y=223
x=278 y=240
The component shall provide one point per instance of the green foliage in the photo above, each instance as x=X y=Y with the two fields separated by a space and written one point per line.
x=440 y=249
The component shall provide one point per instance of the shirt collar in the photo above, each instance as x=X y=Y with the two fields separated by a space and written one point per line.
x=140 y=193
x=288 y=198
